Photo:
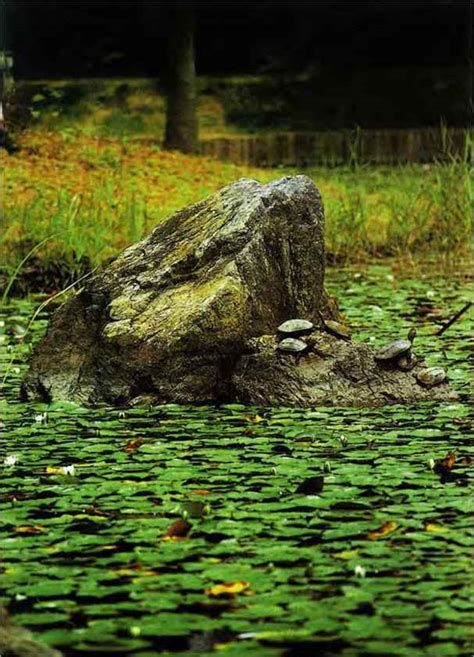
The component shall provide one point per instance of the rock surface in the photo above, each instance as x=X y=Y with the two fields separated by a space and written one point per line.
x=190 y=314
x=16 y=641
x=335 y=372
x=170 y=316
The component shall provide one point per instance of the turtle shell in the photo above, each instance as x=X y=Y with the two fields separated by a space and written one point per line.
x=292 y=346
x=337 y=329
x=407 y=361
x=393 y=350
x=296 y=327
x=431 y=376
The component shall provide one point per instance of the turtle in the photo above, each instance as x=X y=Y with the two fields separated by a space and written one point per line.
x=295 y=327
x=293 y=346
x=337 y=329
x=431 y=376
x=407 y=361
x=394 y=350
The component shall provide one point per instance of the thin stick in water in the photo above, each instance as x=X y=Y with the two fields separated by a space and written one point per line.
x=454 y=318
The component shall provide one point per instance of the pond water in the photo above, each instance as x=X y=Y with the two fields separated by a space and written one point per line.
x=329 y=529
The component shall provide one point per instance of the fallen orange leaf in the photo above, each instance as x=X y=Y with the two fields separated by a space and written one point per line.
x=177 y=530
x=384 y=530
x=446 y=464
x=133 y=445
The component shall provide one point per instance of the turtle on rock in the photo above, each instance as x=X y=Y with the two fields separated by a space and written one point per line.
x=431 y=376
x=295 y=327
x=337 y=329
x=407 y=362
x=293 y=347
x=398 y=352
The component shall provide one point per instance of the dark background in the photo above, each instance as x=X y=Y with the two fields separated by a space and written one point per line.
x=377 y=63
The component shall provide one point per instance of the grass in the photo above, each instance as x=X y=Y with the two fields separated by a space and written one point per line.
x=96 y=195
x=90 y=173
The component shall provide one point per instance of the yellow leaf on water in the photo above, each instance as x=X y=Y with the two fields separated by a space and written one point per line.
x=227 y=589
x=346 y=554
x=431 y=527
x=30 y=529
x=255 y=419
x=384 y=530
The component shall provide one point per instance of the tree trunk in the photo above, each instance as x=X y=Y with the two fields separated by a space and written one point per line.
x=181 y=118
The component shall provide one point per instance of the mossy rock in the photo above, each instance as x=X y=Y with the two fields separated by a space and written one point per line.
x=171 y=315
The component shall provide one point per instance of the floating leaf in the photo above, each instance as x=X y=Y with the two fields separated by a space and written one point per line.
x=227 y=589
x=346 y=554
x=254 y=419
x=431 y=527
x=30 y=529
x=387 y=528
x=178 y=529
x=442 y=466
x=311 y=485
x=133 y=445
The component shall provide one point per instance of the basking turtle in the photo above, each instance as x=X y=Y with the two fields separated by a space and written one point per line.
x=407 y=361
x=293 y=346
x=431 y=376
x=396 y=349
x=337 y=329
x=295 y=327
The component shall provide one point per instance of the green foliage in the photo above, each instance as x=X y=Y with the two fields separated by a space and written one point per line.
x=87 y=562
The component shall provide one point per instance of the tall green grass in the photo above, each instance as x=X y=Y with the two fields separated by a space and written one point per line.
x=370 y=210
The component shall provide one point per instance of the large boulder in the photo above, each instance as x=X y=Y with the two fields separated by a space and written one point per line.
x=171 y=315
x=189 y=314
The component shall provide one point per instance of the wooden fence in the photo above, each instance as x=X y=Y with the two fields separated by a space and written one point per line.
x=302 y=149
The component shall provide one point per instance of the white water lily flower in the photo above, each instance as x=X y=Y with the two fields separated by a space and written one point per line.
x=360 y=571
x=11 y=460
x=68 y=469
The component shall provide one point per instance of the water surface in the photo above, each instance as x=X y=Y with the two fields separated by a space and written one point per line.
x=330 y=528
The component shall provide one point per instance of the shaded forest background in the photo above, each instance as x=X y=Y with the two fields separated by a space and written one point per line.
x=335 y=64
